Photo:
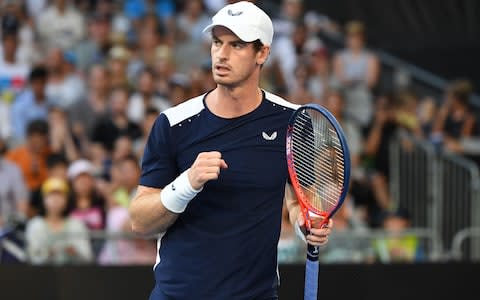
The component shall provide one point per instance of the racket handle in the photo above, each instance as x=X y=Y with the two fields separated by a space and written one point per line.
x=311 y=273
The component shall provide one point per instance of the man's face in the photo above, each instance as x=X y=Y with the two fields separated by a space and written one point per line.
x=55 y=203
x=38 y=142
x=98 y=79
x=146 y=83
x=355 y=40
x=38 y=87
x=233 y=60
x=119 y=102
x=334 y=103
x=10 y=44
x=83 y=184
x=130 y=173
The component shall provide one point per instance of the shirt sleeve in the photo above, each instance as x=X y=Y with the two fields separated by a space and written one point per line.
x=159 y=166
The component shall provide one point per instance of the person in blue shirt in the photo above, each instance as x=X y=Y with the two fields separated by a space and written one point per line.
x=31 y=104
x=214 y=175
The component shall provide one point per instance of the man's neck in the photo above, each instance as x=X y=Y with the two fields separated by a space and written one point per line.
x=227 y=102
x=9 y=59
x=61 y=9
x=54 y=219
x=40 y=99
x=147 y=96
x=97 y=96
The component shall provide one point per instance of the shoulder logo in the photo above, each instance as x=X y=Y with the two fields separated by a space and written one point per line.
x=234 y=14
x=271 y=137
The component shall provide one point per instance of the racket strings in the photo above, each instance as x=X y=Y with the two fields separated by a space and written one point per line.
x=318 y=159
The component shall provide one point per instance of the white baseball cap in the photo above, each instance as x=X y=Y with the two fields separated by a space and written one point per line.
x=246 y=20
x=81 y=166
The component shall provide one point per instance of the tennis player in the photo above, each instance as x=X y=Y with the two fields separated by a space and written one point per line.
x=214 y=175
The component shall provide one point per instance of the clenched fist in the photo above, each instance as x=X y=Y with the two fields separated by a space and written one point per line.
x=206 y=167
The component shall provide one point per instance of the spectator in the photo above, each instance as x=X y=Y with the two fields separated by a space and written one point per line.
x=406 y=115
x=137 y=9
x=119 y=57
x=123 y=147
x=35 y=7
x=285 y=56
x=84 y=114
x=13 y=191
x=399 y=247
x=190 y=48
x=151 y=114
x=320 y=74
x=94 y=49
x=60 y=25
x=149 y=40
x=201 y=81
x=179 y=88
x=191 y=21
x=65 y=87
x=57 y=166
x=61 y=139
x=32 y=104
x=88 y=203
x=358 y=70
x=164 y=68
x=377 y=147
x=116 y=124
x=31 y=156
x=145 y=97
x=455 y=119
x=290 y=14
x=335 y=103
x=13 y=76
x=426 y=115
x=299 y=93
x=15 y=19
x=125 y=175
x=54 y=238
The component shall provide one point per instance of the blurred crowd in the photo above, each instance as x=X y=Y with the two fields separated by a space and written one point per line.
x=81 y=83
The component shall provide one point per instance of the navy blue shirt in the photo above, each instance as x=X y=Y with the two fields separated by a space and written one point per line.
x=224 y=245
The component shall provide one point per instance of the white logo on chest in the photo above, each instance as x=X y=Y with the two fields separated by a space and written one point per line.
x=271 y=137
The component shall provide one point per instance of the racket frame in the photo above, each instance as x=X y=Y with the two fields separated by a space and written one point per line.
x=305 y=206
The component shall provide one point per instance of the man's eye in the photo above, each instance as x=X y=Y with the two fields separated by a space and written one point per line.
x=238 y=45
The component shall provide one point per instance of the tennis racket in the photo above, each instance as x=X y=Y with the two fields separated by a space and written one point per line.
x=319 y=168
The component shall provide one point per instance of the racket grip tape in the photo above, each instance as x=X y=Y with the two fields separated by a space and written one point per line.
x=311 y=273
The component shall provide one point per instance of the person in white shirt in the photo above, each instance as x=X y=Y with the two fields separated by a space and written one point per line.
x=13 y=78
x=145 y=97
x=65 y=87
x=56 y=238
x=61 y=25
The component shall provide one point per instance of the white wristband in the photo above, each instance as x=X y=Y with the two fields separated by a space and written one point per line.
x=299 y=232
x=176 y=195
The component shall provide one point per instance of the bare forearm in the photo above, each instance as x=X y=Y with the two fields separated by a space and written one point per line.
x=149 y=216
x=373 y=140
x=292 y=204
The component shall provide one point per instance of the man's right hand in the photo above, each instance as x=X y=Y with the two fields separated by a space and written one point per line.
x=206 y=167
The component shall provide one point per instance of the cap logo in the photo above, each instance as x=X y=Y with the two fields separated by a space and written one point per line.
x=234 y=14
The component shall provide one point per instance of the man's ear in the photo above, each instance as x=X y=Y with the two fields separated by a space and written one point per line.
x=263 y=54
